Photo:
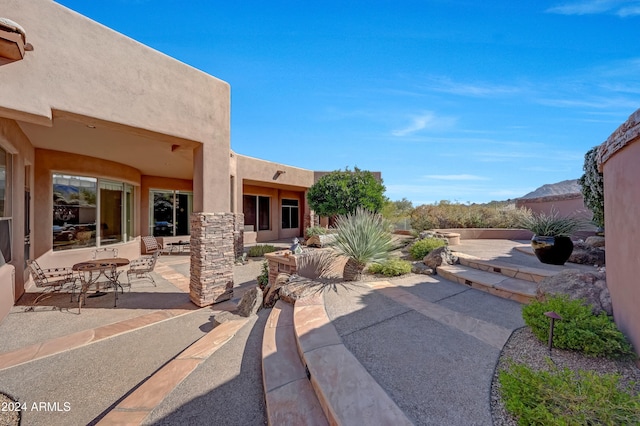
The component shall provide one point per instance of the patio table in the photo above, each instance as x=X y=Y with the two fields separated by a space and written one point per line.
x=90 y=271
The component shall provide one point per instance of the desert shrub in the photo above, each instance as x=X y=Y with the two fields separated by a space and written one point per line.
x=391 y=268
x=592 y=186
x=260 y=250
x=560 y=397
x=363 y=237
x=263 y=278
x=456 y=215
x=421 y=248
x=579 y=329
x=313 y=231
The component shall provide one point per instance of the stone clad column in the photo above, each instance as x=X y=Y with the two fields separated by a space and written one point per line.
x=212 y=257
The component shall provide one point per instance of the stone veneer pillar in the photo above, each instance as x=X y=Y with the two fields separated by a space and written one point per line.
x=238 y=235
x=212 y=257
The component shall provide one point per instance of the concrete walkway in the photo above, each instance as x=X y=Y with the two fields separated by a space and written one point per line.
x=430 y=344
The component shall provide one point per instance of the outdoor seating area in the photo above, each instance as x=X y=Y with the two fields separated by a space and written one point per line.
x=102 y=272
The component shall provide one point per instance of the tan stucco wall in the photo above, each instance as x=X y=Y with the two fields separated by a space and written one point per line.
x=82 y=67
x=622 y=233
x=14 y=141
x=82 y=70
x=567 y=205
x=260 y=177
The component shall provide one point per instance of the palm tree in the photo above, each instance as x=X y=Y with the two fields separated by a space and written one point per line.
x=363 y=237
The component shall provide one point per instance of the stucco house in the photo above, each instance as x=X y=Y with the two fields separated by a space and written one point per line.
x=104 y=140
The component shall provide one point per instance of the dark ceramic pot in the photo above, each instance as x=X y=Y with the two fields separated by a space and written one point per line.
x=552 y=250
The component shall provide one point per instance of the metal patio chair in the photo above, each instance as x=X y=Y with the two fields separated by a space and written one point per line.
x=142 y=267
x=51 y=279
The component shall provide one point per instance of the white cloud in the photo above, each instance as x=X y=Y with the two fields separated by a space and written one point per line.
x=456 y=177
x=622 y=8
x=425 y=121
x=446 y=85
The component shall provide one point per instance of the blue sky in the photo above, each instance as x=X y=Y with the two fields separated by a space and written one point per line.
x=466 y=101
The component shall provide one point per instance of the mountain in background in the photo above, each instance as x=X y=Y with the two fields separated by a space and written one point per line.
x=565 y=187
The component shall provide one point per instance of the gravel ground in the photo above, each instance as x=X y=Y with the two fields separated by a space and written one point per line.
x=523 y=347
x=8 y=417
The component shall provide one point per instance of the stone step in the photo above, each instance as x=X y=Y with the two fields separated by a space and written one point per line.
x=348 y=394
x=520 y=290
x=289 y=395
x=145 y=397
x=511 y=270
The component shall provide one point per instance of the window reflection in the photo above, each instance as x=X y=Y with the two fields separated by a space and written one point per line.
x=170 y=213
x=74 y=211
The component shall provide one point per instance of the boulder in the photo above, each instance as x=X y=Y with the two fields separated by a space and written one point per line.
x=439 y=256
x=297 y=288
x=586 y=254
x=226 y=316
x=421 y=268
x=322 y=240
x=250 y=303
x=590 y=286
x=595 y=241
x=273 y=294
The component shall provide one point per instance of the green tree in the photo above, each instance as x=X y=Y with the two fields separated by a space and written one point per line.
x=342 y=192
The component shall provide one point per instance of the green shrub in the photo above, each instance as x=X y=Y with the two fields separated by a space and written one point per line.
x=313 y=231
x=391 y=268
x=421 y=248
x=562 y=397
x=260 y=250
x=579 y=329
x=446 y=214
x=263 y=278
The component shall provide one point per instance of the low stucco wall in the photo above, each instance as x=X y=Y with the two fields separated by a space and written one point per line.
x=489 y=233
x=619 y=157
x=7 y=294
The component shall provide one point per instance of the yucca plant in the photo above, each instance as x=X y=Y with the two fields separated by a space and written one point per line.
x=552 y=224
x=363 y=237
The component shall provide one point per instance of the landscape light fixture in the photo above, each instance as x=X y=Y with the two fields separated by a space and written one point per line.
x=553 y=317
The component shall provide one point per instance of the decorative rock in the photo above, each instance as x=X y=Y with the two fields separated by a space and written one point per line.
x=421 y=268
x=587 y=255
x=595 y=241
x=250 y=303
x=273 y=294
x=297 y=288
x=590 y=286
x=439 y=256
x=225 y=316
x=320 y=240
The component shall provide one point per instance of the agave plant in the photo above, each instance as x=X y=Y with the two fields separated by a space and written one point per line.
x=363 y=237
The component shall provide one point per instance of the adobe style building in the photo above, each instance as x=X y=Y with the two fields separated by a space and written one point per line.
x=104 y=140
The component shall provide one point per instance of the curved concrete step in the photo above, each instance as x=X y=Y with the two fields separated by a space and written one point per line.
x=348 y=394
x=288 y=393
x=522 y=291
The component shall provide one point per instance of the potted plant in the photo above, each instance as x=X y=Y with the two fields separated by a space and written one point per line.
x=551 y=241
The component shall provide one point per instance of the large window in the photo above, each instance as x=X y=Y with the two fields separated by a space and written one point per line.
x=256 y=212
x=5 y=214
x=170 y=213
x=89 y=212
x=290 y=214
